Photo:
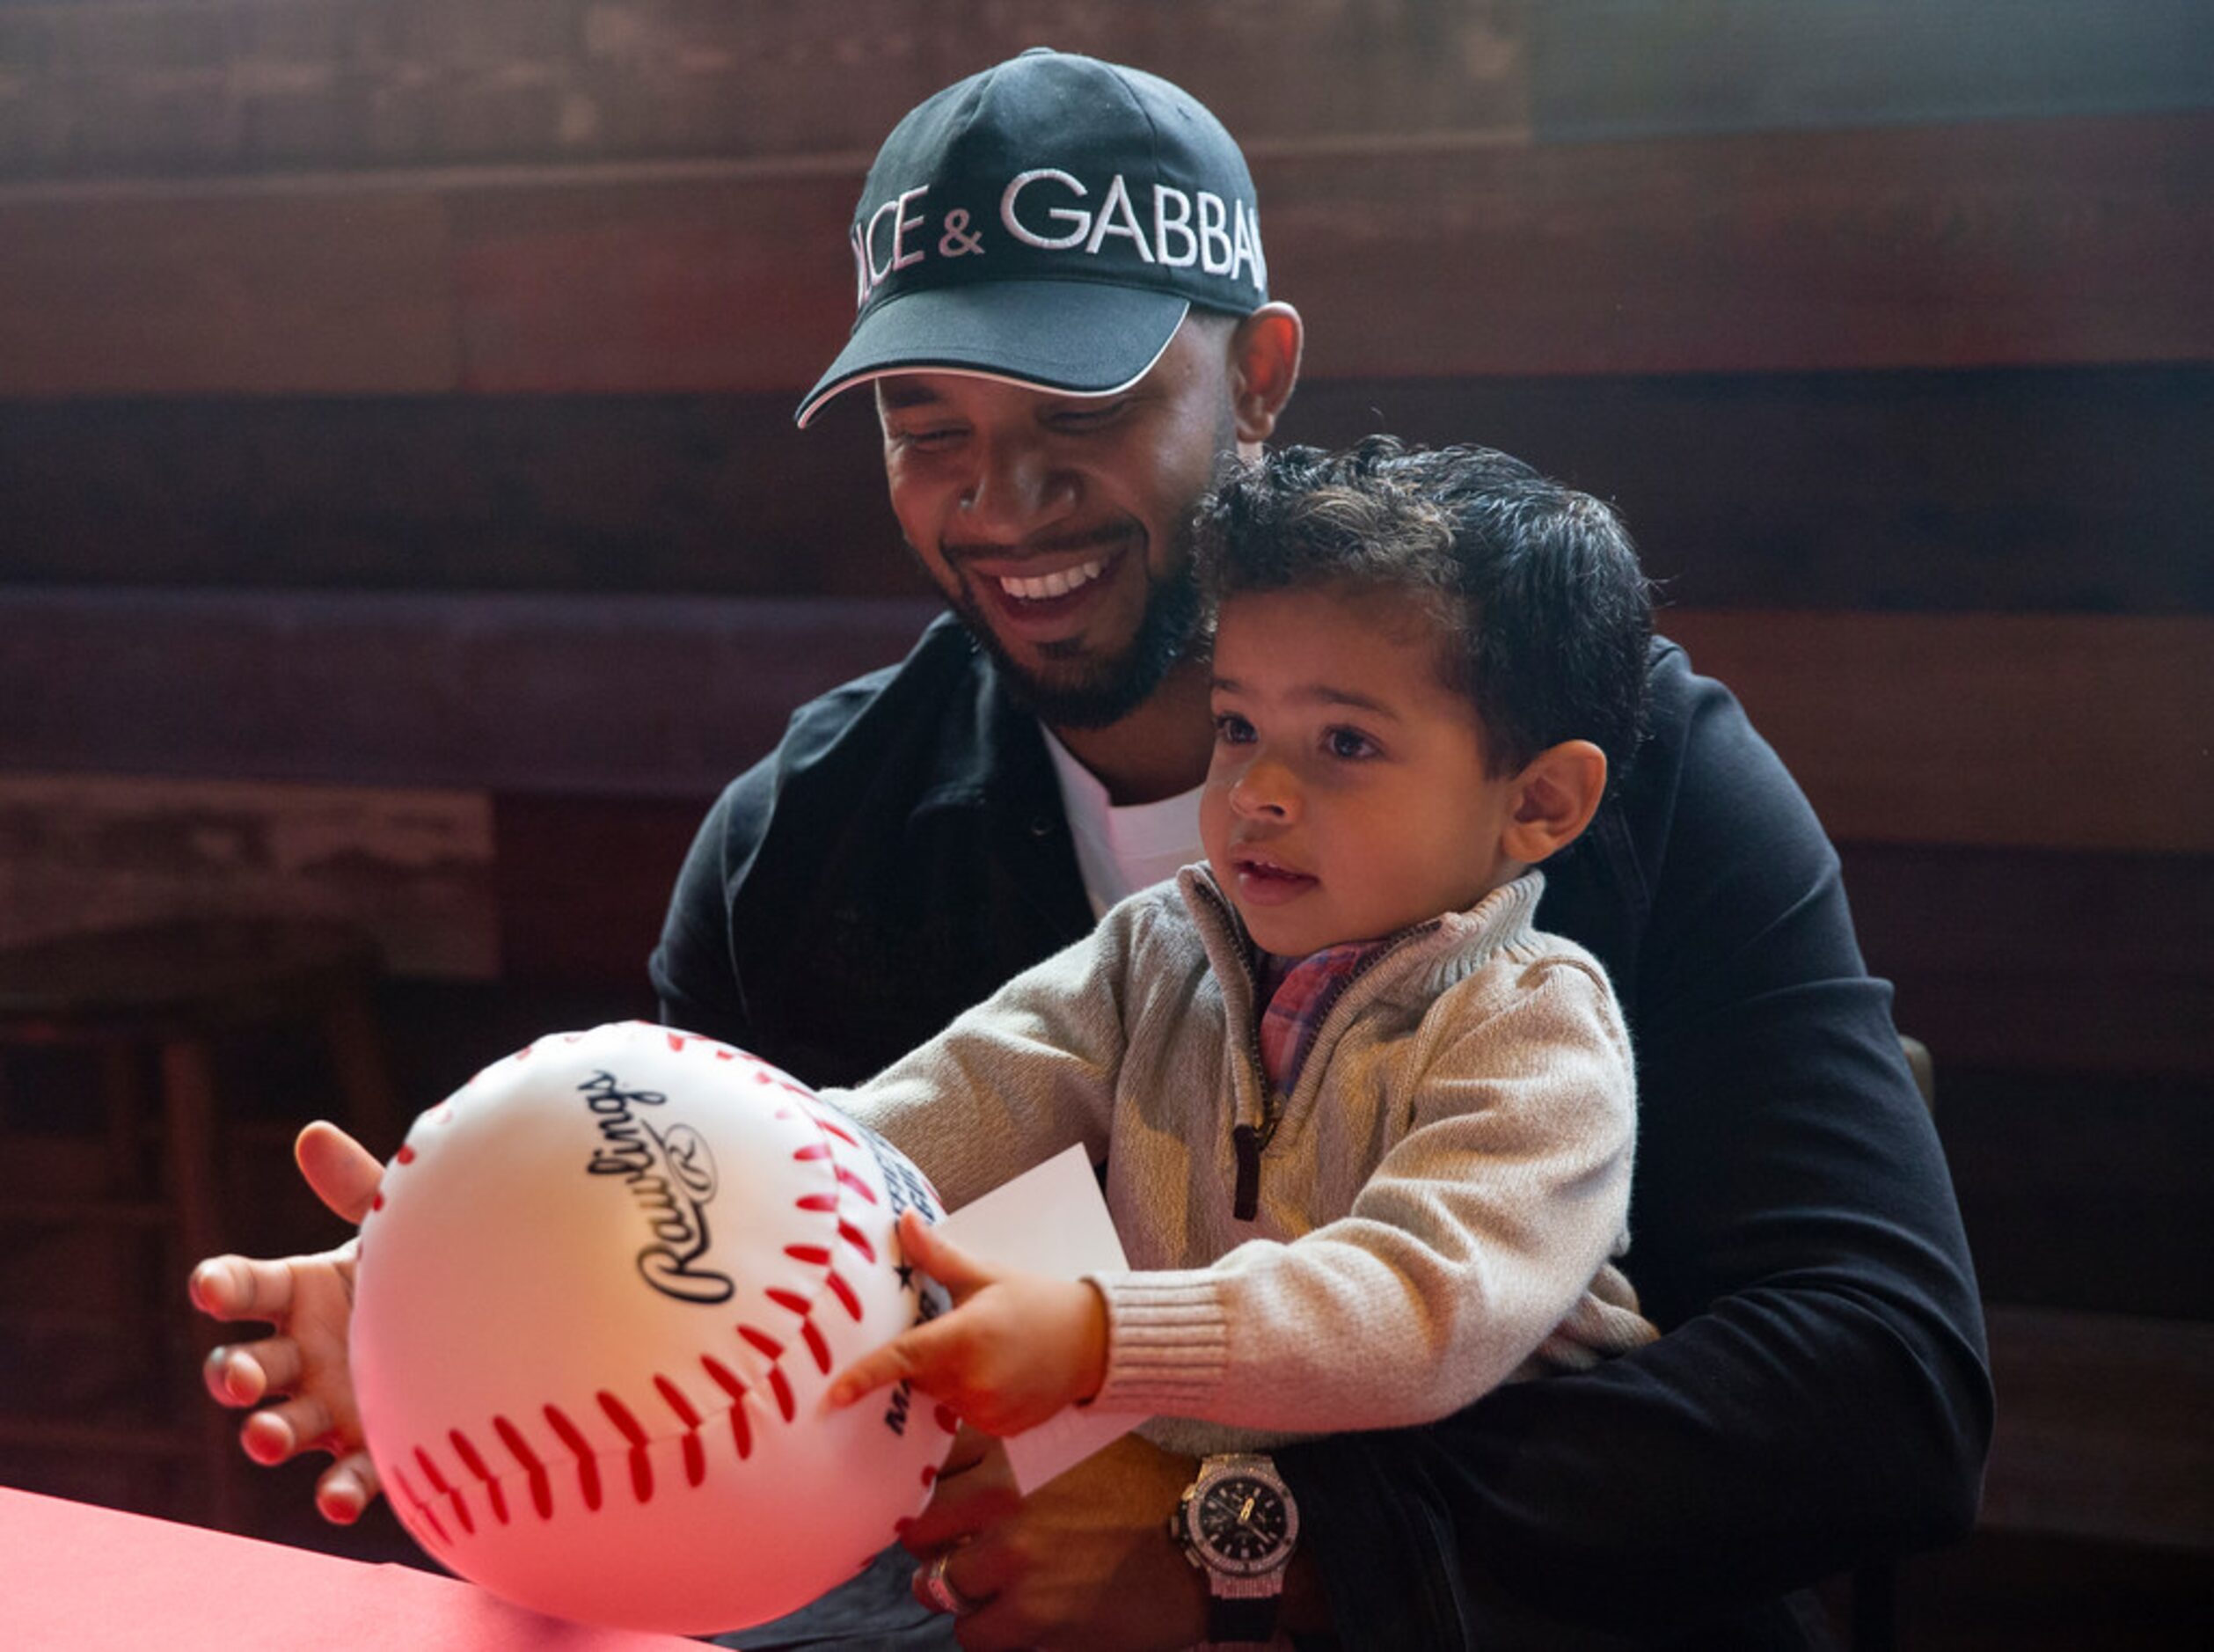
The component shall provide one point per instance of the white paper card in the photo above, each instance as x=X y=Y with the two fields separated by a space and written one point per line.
x=1051 y=1219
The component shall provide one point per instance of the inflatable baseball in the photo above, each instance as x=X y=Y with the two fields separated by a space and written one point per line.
x=601 y=1298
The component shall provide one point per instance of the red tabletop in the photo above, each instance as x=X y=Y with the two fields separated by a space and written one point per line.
x=89 y=1580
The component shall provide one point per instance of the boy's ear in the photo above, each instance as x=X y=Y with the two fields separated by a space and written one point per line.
x=1264 y=364
x=1556 y=794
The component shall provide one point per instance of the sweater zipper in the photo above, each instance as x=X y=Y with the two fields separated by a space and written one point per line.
x=1246 y=1141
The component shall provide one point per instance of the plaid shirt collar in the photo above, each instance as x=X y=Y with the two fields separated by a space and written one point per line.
x=1299 y=992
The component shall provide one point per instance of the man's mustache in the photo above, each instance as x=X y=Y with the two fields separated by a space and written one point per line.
x=1112 y=536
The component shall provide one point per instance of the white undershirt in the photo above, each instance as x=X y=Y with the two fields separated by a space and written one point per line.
x=1121 y=851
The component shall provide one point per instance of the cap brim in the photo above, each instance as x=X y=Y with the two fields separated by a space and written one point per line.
x=1071 y=337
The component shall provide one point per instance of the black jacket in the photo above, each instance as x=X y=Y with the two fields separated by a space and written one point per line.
x=1822 y=1392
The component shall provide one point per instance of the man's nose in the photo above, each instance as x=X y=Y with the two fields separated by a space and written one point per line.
x=1016 y=490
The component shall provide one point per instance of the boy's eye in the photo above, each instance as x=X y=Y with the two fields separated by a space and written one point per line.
x=928 y=437
x=1349 y=744
x=1230 y=729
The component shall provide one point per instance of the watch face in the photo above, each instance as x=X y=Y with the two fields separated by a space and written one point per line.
x=1242 y=1522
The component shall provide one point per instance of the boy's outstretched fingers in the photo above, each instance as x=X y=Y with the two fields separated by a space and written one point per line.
x=904 y=1356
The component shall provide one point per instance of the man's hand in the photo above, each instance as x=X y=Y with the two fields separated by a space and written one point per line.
x=1085 y=1561
x=308 y=1301
x=1016 y=1347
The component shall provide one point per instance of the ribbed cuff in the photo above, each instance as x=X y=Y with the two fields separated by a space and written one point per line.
x=1168 y=1341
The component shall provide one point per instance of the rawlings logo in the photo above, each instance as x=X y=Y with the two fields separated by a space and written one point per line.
x=672 y=1179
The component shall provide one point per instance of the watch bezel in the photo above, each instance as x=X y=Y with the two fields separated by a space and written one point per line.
x=1212 y=1476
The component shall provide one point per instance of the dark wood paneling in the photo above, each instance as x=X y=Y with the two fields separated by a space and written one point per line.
x=665 y=494
x=2094 y=964
x=632 y=696
x=2002 y=730
x=2056 y=241
x=2079 y=1190
x=651 y=286
x=411 y=868
x=2054 y=489
x=2049 y=489
x=2026 y=243
x=583 y=883
x=1993 y=730
x=1606 y=68
x=2102 y=1428
x=123 y=86
x=257 y=291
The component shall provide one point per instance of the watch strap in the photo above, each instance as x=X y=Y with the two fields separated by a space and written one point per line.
x=1241 y=1620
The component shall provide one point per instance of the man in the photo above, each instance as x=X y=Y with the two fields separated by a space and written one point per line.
x=1064 y=315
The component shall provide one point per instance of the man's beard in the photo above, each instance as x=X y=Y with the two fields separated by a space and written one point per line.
x=1094 y=693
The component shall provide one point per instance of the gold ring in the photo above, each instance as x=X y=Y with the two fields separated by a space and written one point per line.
x=937 y=1590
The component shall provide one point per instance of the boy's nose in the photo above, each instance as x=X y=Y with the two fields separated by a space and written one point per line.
x=1264 y=790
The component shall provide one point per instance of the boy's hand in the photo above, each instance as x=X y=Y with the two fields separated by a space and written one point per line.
x=1015 y=1348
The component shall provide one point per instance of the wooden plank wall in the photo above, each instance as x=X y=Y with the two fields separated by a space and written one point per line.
x=395 y=393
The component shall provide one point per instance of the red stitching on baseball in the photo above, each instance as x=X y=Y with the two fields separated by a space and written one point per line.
x=814 y=1255
x=844 y=1136
x=695 y=1454
x=843 y=1292
x=817 y=1345
x=824 y=1202
x=407 y=1154
x=641 y=1466
x=736 y=1390
x=429 y=1514
x=857 y=1184
x=438 y=1484
x=858 y=1240
x=813 y=1149
x=475 y=1464
x=519 y=1448
x=588 y=1466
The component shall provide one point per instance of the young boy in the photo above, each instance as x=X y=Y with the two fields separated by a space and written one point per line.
x=1367 y=1132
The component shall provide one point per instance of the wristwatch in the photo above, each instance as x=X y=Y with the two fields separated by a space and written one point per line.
x=1237 y=1524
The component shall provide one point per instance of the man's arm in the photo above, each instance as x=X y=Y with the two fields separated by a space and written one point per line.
x=1820 y=1392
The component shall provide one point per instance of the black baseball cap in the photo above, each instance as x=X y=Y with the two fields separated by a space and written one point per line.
x=1049 y=221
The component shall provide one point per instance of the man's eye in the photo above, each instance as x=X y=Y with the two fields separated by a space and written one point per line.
x=1230 y=729
x=1086 y=418
x=928 y=437
x=1349 y=744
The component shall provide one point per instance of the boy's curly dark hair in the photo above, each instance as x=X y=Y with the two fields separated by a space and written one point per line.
x=1535 y=587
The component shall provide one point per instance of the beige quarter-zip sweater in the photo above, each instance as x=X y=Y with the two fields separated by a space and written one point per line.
x=1439 y=1199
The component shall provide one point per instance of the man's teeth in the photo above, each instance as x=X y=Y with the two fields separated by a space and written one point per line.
x=1058 y=584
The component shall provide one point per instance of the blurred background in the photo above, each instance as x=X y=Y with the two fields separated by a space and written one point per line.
x=402 y=529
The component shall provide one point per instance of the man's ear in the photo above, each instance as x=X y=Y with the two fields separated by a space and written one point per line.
x=1556 y=794
x=1264 y=365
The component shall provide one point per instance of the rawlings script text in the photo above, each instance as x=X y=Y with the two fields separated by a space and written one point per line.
x=672 y=1179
